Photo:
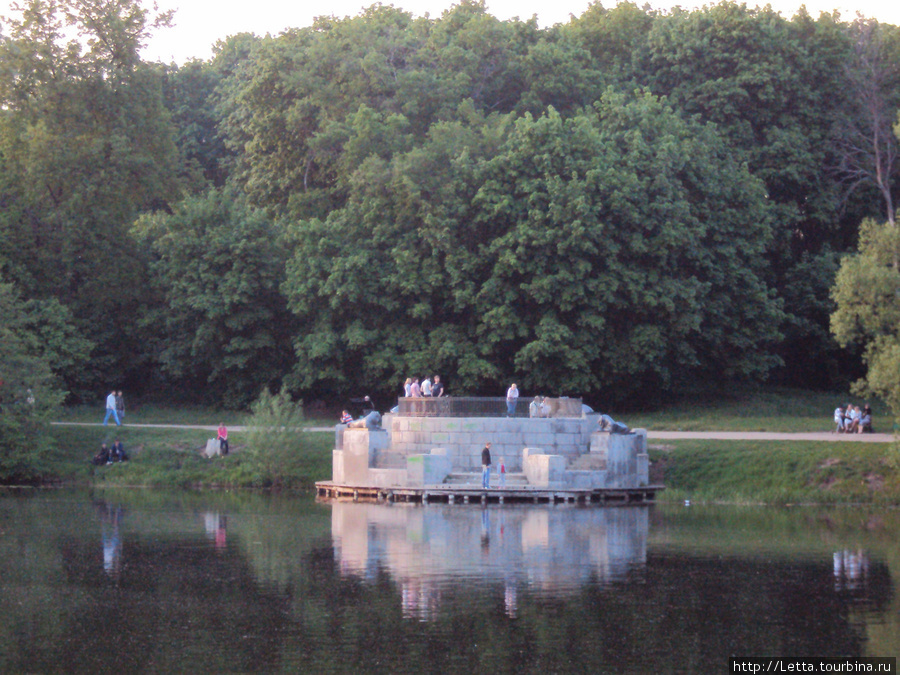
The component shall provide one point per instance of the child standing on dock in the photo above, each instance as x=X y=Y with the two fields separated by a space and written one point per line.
x=501 y=469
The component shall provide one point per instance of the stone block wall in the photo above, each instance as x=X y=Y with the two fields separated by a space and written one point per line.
x=464 y=437
x=423 y=451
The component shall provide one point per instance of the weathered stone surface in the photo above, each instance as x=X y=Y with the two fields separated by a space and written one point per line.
x=337 y=466
x=621 y=458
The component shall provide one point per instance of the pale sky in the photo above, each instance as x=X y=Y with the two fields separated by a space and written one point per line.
x=200 y=23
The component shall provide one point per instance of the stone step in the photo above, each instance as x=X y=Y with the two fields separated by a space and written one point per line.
x=512 y=479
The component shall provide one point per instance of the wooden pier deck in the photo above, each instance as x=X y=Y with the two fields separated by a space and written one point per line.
x=469 y=494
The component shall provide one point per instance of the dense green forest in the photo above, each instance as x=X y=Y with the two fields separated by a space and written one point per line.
x=630 y=203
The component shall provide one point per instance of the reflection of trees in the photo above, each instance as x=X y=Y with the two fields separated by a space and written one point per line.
x=277 y=600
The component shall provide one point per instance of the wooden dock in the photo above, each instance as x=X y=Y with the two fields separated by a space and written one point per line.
x=467 y=494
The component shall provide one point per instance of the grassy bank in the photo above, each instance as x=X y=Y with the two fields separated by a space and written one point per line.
x=171 y=458
x=777 y=472
x=775 y=409
x=719 y=471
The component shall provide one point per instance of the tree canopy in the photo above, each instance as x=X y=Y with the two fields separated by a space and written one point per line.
x=626 y=203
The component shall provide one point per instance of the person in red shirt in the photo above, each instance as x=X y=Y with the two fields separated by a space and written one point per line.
x=223 y=438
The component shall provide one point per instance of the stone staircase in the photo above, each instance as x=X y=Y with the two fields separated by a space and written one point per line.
x=513 y=480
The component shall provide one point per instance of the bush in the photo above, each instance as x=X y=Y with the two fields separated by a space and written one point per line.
x=274 y=434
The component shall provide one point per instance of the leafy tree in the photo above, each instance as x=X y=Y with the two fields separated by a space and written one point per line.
x=867 y=293
x=86 y=143
x=217 y=317
x=274 y=437
x=28 y=394
x=607 y=251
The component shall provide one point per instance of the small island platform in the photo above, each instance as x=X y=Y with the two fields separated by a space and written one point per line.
x=429 y=450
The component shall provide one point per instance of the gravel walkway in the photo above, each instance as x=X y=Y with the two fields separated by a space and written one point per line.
x=825 y=436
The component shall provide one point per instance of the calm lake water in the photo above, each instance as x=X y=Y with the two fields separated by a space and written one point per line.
x=158 y=582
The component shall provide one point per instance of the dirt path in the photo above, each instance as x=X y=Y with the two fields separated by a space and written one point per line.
x=823 y=436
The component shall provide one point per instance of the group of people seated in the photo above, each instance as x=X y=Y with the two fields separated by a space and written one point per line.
x=851 y=420
x=109 y=455
x=539 y=407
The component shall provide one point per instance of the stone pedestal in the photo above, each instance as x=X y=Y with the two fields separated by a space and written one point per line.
x=361 y=448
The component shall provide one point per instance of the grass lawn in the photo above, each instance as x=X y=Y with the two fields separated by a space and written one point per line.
x=171 y=458
x=774 y=409
x=775 y=472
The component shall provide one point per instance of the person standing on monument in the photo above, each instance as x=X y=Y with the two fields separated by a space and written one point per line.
x=512 y=397
x=486 y=466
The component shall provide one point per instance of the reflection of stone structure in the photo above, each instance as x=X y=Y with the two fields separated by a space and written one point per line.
x=559 y=453
x=555 y=550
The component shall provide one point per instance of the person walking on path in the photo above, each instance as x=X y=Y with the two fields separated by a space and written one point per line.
x=512 y=397
x=111 y=409
x=486 y=466
x=120 y=406
x=223 y=438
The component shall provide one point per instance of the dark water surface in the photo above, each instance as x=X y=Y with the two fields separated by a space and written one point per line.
x=141 y=581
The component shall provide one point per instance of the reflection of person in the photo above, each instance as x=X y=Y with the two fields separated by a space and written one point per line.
x=112 y=550
x=111 y=409
x=120 y=406
x=221 y=533
x=223 y=438
x=512 y=397
x=486 y=466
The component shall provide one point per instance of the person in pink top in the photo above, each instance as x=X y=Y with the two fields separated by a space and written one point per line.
x=415 y=390
x=223 y=438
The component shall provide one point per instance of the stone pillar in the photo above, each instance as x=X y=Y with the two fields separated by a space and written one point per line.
x=361 y=448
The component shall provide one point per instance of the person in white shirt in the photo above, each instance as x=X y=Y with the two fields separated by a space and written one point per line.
x=512 y=397
x=111 y=409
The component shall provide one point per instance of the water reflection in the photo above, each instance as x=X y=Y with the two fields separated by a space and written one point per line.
x=553 y=550
x=112 y=548
x=851 y=569
x=268 y=583
x=216 y=528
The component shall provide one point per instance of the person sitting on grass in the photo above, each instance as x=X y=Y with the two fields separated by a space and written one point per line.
x=102 y=457
x=222 y=436
x=117 y=452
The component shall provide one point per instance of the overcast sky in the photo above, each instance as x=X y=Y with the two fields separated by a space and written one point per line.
x=200 y=23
